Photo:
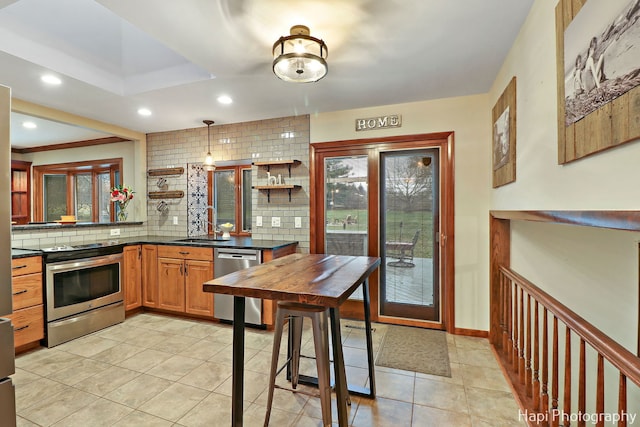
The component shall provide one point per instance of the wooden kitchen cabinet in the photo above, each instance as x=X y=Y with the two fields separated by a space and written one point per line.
x=197 y=301
x=28 y=309
x=149 y=276
x=132 y=276
x=181 y=272
x=20 y=191
x=171 y=284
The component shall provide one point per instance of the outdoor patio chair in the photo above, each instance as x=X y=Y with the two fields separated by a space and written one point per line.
x=403 y=251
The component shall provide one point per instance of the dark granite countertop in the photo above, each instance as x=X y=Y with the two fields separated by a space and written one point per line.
x=38 y=226
x=201 y=241
x=213 y=242
x=24 y=253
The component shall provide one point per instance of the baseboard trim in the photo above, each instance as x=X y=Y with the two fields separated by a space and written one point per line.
x=471 y=332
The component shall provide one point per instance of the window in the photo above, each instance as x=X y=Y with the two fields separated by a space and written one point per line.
x=81 y=189
x=230 y=194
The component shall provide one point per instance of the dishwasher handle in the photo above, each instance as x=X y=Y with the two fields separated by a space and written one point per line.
x=237 y=256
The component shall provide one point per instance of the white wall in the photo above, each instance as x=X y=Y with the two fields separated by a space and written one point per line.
x=608 y=180
x=470 y=119
x=594 y=272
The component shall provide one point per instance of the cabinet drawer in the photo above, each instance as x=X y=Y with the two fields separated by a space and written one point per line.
x=28 y=325
x=185 y=252
x=27 y=290
x=20 y=266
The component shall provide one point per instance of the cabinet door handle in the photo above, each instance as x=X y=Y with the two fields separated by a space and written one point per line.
x=139 y=252
x=181 y=270
x=24 y=291
x=18 y=267
x=21 y=328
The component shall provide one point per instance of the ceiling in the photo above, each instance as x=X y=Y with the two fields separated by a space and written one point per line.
x=177 y=57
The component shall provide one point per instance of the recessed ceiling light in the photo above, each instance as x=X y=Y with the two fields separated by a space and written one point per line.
x=29 y=125
x=51 y=79
x=144 y=112
x=225 y=99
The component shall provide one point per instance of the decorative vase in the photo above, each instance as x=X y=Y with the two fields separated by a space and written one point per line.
x=226 y=228
x=122 y=214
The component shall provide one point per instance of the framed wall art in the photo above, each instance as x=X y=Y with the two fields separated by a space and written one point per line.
x=598 y=69
x=504 y=136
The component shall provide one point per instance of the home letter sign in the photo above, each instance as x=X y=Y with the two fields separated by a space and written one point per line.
x=382 y=122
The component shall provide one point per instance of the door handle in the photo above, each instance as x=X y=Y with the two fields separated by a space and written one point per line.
x=24 y=291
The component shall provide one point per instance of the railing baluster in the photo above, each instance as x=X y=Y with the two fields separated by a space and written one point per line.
x=536 y=357
x=545 y=361
x=582 y=384
x=529 y=343
x=566 y=404
x=600 y=392
x=555 y=373
x=514 y=344
x=622 y=400
x=536 y=373
x=505 y=313
x=521 y=345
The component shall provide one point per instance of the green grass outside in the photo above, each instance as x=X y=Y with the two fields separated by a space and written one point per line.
x=411 y=221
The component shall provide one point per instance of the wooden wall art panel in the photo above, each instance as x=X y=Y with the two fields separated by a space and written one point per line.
x=595 y=116
x=503 y=118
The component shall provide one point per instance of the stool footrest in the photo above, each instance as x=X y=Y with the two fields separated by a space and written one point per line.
x=295 y=390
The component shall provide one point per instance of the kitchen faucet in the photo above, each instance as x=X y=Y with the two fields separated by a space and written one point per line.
x=214 y=216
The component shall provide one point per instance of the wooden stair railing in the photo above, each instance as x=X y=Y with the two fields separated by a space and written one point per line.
x=534 y=367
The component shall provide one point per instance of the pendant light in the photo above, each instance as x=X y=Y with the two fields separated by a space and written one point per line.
x=208 y=160
x=299 y=57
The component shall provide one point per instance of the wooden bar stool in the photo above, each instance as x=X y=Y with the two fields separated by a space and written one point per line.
x=295 y=312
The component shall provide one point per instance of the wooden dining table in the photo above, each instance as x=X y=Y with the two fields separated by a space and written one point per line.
x=318 y=279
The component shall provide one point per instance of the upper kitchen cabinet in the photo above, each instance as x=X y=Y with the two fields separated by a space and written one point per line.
x=20 y=191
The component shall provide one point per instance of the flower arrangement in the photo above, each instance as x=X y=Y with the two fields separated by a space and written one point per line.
x=121 y=195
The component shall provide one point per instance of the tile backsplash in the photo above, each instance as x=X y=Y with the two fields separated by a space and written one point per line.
x=284 y=138
x=264 y=140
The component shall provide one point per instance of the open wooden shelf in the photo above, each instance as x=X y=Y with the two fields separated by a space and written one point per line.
x=175 y=194
x=165 y=171
x=616 y=220
x=269 y=188
x=287 y=163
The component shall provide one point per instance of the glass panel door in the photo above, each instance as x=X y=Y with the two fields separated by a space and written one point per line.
x=346 y=201
x=409 y=285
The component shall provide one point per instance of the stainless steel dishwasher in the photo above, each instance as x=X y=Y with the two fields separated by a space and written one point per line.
x=228 y=260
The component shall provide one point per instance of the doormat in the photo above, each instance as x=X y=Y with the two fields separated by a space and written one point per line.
x=415 y=349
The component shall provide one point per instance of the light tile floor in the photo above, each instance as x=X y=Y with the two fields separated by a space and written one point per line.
x=155 y=370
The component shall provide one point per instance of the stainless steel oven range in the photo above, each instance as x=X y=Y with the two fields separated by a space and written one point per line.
x=83 y=290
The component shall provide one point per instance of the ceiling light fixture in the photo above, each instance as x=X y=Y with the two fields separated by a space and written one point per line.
x=300 y=57
x=29 y=125
x=208 y=160
x=225 y=99
x=144 y=112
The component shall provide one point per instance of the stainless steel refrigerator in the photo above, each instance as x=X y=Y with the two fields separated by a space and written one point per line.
x=7 y=354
